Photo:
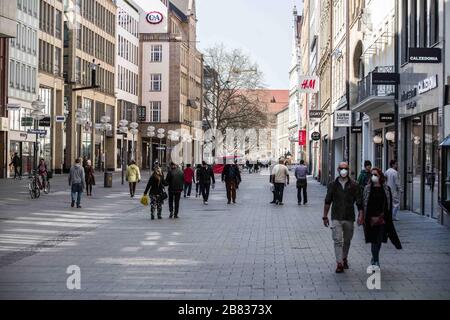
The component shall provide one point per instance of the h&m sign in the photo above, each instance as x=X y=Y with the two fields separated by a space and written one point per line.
x=309 y=84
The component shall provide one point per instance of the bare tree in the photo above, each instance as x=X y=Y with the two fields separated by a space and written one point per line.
x=231 y=101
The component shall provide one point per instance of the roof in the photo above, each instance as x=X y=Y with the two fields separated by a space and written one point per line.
x=177 y=11
x=276 y=100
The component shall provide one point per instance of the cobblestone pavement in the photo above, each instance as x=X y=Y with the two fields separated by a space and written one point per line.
x=251 y=250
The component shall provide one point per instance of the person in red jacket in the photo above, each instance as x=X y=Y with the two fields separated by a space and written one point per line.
x=188 y=179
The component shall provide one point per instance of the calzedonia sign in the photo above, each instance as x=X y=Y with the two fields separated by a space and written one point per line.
x=154 y=17
x=425 y=55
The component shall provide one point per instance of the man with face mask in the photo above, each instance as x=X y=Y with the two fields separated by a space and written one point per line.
x=342 y=195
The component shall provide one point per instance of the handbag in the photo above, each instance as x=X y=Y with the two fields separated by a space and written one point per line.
x=164 y=195
x=145 y=200
x=377 y=221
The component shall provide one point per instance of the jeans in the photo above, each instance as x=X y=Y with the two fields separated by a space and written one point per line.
x=174 y=197
x=279 y=191
x=395 y=211
x=231 y=187
x=17 y=172
x=342 y=233
x=89 y=189
x=77 y=190
x=376 y=246
x=187 y=189
x=305 y=194
x=204 y=189
x=197 y=188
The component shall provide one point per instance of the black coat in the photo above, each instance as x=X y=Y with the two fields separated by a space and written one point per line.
x=370 y=232
x=206 y=175
x=155 y=188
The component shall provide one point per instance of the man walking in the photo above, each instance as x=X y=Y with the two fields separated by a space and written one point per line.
x=15 y=162
x=365 y=175
x=76 y=181
x=301 y=174
x=393 y=181
x=188 y=179
x=280 y=179
x=205 y=177
x=342 y=194
x=175 y=181
x=232 y=178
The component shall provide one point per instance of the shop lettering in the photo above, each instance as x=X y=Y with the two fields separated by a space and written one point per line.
x=427 y=84
x=154 y=17
x=309 y=84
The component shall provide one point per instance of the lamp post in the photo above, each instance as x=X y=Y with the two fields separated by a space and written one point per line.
x=160 y=136
x=105 y=126
x=134 y=131
x=173 y=137
x=123 y=128
x=151 y=134
x=37 y=114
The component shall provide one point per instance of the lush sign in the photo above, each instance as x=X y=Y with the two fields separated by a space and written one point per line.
x=343 y=119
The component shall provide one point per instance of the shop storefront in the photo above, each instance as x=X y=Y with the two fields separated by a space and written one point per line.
x=422 y=165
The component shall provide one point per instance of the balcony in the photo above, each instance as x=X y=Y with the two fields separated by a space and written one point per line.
x=372 y=96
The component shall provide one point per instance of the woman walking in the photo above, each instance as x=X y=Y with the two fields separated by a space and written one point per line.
x=133 y=177
x=377 y=217
x=90 y=177
x=155 y=189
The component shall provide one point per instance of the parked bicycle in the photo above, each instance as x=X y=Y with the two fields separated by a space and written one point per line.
x=34 y=186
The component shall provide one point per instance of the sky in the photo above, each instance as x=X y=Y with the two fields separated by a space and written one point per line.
x=261 y=28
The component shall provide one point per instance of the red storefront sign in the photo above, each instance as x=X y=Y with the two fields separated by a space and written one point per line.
x=302 y=137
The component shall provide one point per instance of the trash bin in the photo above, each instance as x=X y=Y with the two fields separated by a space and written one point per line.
x=108 y=179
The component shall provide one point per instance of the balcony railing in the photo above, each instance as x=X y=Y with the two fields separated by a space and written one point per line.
x=366 y=89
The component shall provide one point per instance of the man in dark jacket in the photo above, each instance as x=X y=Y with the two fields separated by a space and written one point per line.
x=15 y=162
x=232 y=178
x=365 y=175
x=205 y=177
x=175 y=181
x=343 y=194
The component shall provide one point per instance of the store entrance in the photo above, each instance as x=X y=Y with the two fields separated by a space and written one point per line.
x=422 y=164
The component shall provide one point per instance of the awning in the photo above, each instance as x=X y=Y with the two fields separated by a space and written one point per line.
x=446 y=142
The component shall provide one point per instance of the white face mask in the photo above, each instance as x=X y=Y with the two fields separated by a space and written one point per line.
x=375 y=179
x=343 y=173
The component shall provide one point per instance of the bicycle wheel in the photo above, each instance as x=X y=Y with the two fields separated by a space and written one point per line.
x=30 y=189
x=37 y=192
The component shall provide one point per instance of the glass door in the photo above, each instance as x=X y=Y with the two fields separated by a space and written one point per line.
x=414 y=165
x=431 y=164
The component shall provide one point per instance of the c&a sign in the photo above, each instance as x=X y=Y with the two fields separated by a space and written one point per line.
x=309 y=84
x=154 y=17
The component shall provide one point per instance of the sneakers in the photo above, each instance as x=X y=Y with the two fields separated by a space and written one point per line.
x=205 y=202
x=176 y=216
x=346 y=264
x=340 y=268
x=153 y=216
x=78 y=206
x=171 y=215
x=72 y=204
x=228 y=202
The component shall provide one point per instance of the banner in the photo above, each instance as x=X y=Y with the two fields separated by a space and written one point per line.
x=309 y=84
x=302 y=137
x=343 y=119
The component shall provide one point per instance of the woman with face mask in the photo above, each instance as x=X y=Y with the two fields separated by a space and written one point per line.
x=377 y=218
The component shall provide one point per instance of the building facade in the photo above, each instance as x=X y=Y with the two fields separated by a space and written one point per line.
x=283 y=141
x=171 y=87
x=90 y=44
x=51 y=81
x=23 y=87
x=127 y=79
x=8 y=30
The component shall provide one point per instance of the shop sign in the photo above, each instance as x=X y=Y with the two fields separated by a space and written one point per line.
x=26 y=121
x=407 y=95
x=387 y=117
x=315 y=114
x=315 y=136
x=411 y=105
x=45 y=122
x=425 y=55
x=13 y=106
x=302 y=137
x=154 y=17
x=37 y=131
x=385 y=78
x=343 y=119
x=4 y=124
x=428 y=84
x=60 y=118
x=356 y=129
x=309 y=84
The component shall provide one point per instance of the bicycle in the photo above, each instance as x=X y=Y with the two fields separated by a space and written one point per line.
x=34 y=186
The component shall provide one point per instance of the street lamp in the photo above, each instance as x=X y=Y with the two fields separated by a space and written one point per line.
x=173 y=136
x=151 y=134
x=37 y=114
x=123 y=128
x=160 y=136
x=105 y=126
x=134 y=131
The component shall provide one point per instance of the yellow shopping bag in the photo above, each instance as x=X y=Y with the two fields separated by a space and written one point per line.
x=145 y=200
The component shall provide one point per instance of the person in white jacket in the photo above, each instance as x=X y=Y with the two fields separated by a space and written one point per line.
x=393 y=181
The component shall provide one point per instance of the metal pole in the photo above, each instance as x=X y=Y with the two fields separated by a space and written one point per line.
x=396 y=107
x=35 y=145
x=151 y=154
x=122 y=160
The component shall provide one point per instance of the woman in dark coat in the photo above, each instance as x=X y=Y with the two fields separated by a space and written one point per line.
x=155 y=189
x=89 y=177
x=377 y=218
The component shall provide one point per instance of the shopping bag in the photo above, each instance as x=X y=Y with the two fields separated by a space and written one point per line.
x=145 y=200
